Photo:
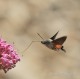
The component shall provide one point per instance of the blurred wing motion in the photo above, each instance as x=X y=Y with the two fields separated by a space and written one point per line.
x=60 y=40
x=54 y=36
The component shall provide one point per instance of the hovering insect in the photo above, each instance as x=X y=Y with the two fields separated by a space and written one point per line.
x=54 y=44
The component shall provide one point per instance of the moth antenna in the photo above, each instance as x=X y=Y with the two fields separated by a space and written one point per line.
x=29 y=46
x=40 y=36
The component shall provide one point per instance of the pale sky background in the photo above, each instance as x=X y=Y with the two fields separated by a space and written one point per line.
x=21 y=20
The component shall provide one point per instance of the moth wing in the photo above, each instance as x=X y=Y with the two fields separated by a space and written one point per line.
x=60 y=40
x=54 y=36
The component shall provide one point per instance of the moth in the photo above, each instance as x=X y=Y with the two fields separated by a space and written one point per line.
x=52 y=43
x=55 y=44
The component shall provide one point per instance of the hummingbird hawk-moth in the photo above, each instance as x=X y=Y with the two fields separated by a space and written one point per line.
x=52 y=43
x=55 y=44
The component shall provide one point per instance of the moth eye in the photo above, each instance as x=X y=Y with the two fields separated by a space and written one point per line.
x=42 y=42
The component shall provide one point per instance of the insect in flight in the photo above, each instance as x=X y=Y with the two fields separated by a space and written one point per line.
x=54 y=44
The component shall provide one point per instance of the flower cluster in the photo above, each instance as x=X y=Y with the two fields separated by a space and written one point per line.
x=8 y=56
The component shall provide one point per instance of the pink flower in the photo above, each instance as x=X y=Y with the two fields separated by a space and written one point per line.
x=8 y=56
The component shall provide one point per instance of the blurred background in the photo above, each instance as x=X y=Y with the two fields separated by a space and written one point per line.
x=21 y=20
